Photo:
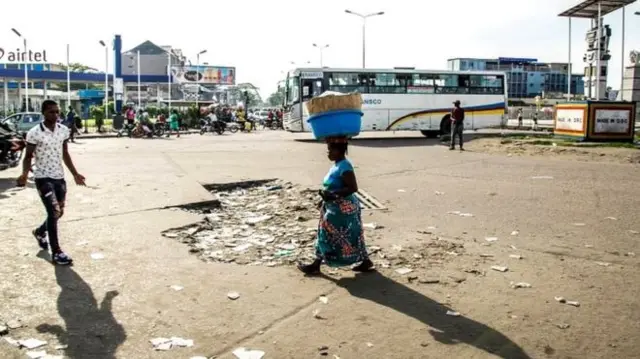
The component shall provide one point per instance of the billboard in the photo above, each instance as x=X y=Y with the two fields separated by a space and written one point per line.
x=204 y=74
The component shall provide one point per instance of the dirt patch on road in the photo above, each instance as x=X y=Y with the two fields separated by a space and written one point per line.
x=557 y=149
x=274 y=223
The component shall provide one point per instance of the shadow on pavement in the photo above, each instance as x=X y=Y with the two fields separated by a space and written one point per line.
x=446 y=329
x=91 y=331
x=8 y=187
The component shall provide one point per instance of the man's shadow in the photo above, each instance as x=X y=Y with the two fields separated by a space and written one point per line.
x=91 y=331
x=446 y=329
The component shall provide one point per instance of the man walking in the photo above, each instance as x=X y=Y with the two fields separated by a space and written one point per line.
x=49 y=143
x=457 y=125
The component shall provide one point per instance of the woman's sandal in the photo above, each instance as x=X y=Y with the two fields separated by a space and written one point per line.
x=313 y=268
x=365 y=266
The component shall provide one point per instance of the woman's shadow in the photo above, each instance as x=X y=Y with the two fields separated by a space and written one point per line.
x=91 y=331
x=447 y=329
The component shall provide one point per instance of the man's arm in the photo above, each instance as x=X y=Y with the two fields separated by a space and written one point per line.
x=66 y=157
x=28 y=157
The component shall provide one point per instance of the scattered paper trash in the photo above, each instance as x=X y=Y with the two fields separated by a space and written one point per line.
x=36 y=355
x=568 y=302
x=14 y=324
x=633 y=232
x=32 y=343
x=323 y=299
x=542 y=177
x=515 y=256
x=180 y=342
x=579 y=224
x=466 y=215
x=404 y=270
x=372 y=225
x=97 y=256
x=500 y=268
x=563 y=325
x=603 y=264
x=370 y=345
x=612 y=218
x=233 y=295
x=438 y=193
x=177 y=288
x=243 y=353
x=491 y=239
x=515 y=233
x=61 y=347
x=520 y=285
x=452 y=313
x=316 y=314
x=401 y=191
x=165 y=344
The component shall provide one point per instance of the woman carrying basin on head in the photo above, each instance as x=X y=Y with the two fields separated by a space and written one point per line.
x=340 y=240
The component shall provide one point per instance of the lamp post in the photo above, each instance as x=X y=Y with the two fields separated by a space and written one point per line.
x=169 y=54
x=26 y=69
x=364 y=26
x=138 y=71
x=321 y=48
x=106 y=81
x=198 y=79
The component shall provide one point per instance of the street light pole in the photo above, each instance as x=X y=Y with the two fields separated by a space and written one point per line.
x=138 y=71
x=364 y=29
x=26 y=69
x=169 y=53
x=321 y=48
x=198 y=78
x=106 y=79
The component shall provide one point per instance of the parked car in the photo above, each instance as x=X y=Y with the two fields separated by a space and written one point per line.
x=24 y=121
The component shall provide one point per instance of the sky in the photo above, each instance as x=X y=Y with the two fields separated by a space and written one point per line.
x=262 y=38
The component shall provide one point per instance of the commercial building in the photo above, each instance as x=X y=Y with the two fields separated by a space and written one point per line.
x=526 y=78
x=153 y=67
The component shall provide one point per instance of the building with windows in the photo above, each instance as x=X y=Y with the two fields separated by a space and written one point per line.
x=526 y=78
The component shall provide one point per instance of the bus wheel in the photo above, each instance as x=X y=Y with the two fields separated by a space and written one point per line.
x=445 y=126
x=430 y=134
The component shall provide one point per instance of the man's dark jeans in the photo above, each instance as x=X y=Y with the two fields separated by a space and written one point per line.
x=456 y=130
x=53 y=193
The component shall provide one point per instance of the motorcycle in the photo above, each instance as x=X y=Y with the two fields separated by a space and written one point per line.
x=274 y=124
x=212 y=126
x=13 y=145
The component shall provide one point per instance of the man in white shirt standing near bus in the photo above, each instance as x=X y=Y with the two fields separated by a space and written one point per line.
x=48 y=142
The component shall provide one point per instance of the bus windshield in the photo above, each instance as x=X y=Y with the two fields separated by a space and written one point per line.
x=293 y=90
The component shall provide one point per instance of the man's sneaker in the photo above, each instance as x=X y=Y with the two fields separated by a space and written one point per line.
x=42 y=240
x=62 y=258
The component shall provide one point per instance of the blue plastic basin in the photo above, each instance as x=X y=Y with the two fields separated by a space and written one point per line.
x=345 y=123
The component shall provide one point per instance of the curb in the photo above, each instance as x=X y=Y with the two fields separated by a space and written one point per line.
x=114 y=135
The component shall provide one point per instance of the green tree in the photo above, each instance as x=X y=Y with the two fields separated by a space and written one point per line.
x=76 y=67
x=277 y=98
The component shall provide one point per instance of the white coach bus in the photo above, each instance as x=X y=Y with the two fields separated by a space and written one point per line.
x=402 y=98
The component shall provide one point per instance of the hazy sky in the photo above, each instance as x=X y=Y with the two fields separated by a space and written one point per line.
x=261 y=38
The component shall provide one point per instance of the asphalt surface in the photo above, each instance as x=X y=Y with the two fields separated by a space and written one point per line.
x=576 y=224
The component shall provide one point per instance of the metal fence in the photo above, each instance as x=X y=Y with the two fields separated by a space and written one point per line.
x=545 y=113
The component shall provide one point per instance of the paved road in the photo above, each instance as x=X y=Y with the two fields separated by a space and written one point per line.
x=377 y=316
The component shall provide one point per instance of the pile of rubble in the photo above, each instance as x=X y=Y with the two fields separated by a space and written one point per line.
x=270 y=224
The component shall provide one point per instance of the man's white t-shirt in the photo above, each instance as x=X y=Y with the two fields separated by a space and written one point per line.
x=48 y=152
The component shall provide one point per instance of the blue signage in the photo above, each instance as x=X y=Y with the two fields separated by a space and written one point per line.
x=515 y=60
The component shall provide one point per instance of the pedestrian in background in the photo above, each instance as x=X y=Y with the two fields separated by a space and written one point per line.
x=457 y=125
